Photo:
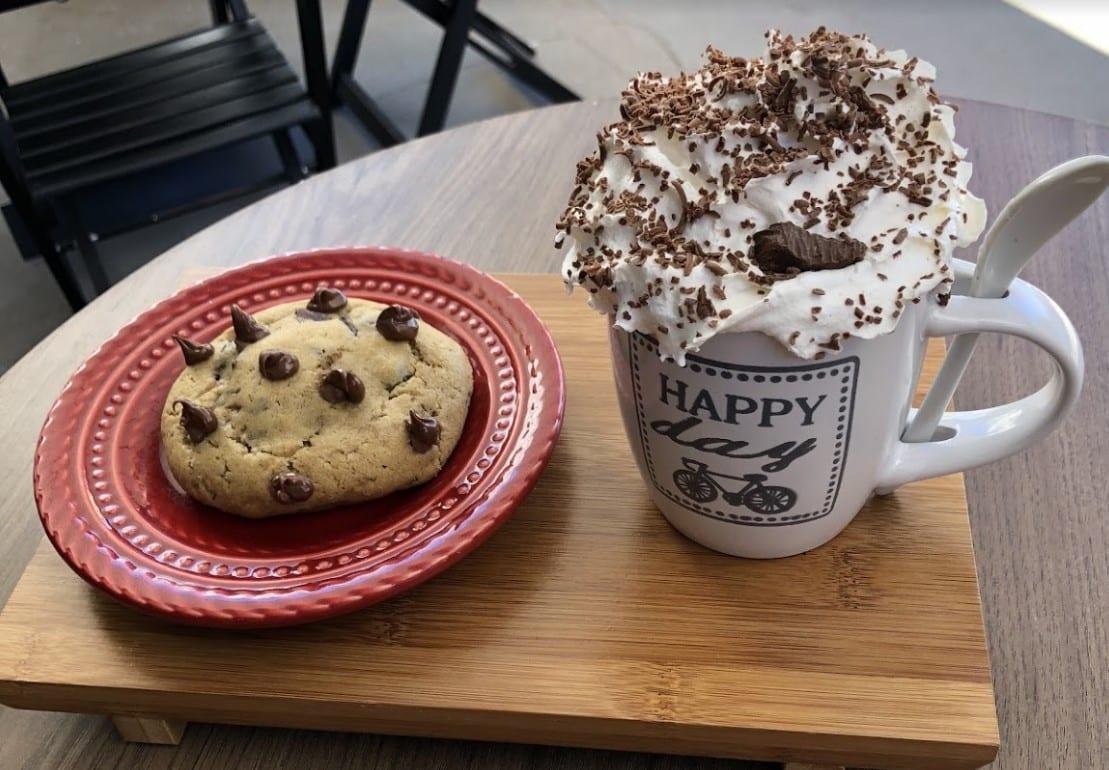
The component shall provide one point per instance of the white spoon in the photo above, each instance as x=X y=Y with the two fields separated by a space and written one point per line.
x=1027 y=222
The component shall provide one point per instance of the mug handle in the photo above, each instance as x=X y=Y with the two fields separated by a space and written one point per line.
x=985 y=435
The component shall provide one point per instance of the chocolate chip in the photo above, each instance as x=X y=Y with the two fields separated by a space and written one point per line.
x=327 y=300
x=423 y=432
x=703 y=305
x=339 y=386
x=198 y=421
x=277 y=364
x=398 y=323
x=304 y=314
x=784 y=250
x=247 y=330
x=291 y=487
x=194 y=352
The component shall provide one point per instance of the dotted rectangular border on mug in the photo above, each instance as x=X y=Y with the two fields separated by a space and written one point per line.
x=846 y=369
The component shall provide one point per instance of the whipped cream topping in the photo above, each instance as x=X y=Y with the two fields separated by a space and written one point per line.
x=829 y=133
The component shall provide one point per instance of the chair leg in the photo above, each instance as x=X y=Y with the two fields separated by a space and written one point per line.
x=149 y=730
x=71 y=220
x=365 y=109
x=321 y=131
x=295 y=170
x=323 y=140
x=501 y=47
x=350 y=40
x=238 y=10
x=91 y=256
x=503 y=38
x=455 y=34
x=31 y=215
x=57 y=262
x=439 y=12
x=219 y=11
x=524 y=70
x=65 y=278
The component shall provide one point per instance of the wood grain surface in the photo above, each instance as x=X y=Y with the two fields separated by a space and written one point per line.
x=586 y=621
x=487 y=194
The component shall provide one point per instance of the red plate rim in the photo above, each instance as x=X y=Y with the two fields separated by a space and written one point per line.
x=69 y=455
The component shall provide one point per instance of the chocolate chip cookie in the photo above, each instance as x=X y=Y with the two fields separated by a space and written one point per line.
x=313 y=404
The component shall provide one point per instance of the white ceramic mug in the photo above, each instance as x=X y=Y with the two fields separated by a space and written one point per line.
x=753 y=452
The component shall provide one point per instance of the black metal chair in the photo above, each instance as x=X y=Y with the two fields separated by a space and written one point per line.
x=64 y=136
x=462 y=24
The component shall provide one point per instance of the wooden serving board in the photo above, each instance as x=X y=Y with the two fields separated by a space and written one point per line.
x=585 y=621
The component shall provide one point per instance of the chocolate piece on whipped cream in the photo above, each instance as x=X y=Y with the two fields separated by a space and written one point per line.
x=783 y=250
x=827 y=135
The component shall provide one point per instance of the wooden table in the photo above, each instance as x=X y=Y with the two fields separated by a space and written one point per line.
x=1039 y=524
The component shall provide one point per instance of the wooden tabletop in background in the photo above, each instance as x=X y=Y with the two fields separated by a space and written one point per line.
x=488 y=194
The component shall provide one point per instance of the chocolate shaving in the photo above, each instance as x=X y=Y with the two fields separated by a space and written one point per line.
x=704 y=307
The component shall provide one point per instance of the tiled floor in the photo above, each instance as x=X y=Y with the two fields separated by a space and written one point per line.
x=984 y=49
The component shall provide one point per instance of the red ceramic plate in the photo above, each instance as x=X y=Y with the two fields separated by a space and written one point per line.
x=111 y=513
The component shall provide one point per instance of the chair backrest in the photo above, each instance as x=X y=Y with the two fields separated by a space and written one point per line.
x=12 y=181
x=11 y=170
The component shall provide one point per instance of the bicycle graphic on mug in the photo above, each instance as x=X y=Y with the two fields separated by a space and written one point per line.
x=701 y=485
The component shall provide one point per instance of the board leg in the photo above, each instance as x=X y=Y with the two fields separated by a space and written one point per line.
x=149 y=730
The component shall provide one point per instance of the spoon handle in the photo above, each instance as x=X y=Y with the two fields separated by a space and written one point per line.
x=939 y=395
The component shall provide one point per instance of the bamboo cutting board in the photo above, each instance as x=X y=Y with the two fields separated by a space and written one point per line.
x=585 y=621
